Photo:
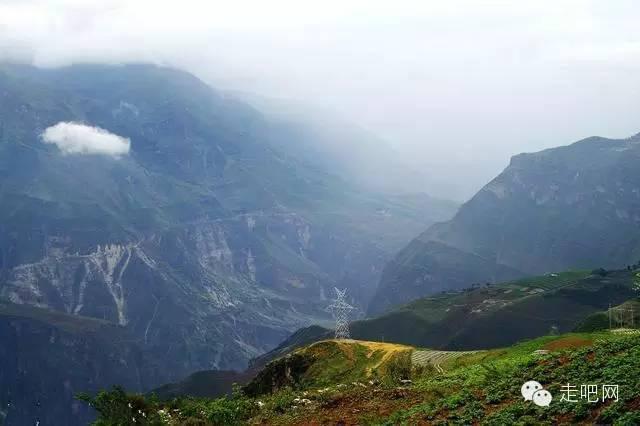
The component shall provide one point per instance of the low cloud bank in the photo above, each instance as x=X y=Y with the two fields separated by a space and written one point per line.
x=76 y=138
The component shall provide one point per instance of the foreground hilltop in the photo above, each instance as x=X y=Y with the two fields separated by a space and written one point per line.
x=356 y=382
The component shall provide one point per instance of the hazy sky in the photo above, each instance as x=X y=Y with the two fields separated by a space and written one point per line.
x=457 y=86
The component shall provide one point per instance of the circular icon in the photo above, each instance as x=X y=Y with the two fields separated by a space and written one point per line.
x=528 y=389
x=542 y=398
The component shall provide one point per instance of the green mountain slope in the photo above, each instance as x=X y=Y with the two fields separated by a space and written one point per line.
x=479 y=388
x=502 y=314
x=327 y=363
x=623 y=315
x=489 y=316
x=563 y=208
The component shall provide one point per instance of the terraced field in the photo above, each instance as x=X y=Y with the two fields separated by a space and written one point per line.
x=436 y=358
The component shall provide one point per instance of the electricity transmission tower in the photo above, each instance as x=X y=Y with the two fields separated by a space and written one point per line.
x=621 y=317
x=340 y=310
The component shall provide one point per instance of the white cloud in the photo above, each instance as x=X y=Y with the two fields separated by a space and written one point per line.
x=76 y=138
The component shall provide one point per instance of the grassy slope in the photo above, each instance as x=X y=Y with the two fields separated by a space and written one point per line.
x=621 y=315
x=467 y=320
x=348 y=361
x=479 y=388
x=327 y=363
x=522 y=309
x=485 y=388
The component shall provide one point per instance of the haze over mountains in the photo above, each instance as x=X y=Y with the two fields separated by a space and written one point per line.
x=457 y=87
x=140 y=196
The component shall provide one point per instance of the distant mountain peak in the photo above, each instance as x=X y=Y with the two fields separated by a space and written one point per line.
x=567 y=207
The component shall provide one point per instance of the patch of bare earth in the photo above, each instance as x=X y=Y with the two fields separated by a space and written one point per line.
x=351 y=408
x=571 y=342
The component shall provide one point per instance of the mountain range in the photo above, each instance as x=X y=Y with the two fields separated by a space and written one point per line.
x=212 y=239
x=224 y=228
x=571 y=207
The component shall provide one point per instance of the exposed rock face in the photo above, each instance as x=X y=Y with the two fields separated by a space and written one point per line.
x=213 y=294
x=207 y=242
x=570 y=207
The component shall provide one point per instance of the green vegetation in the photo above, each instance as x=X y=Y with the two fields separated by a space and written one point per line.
x=435 y=308
x=489 y=391
x=482 y=387
x=332 y=362
x=467 y=319
x=115 y=407
x=521 y=309
x=623 y=315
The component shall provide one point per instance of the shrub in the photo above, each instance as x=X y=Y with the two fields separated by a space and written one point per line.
x=423 y=371
x=115 y=407
x=399 y=367
x=282 y=401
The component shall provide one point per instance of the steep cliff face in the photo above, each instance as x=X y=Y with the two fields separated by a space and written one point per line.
x=208 y=242
x=198 y=293
x=48 y=357
x=569 y=207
